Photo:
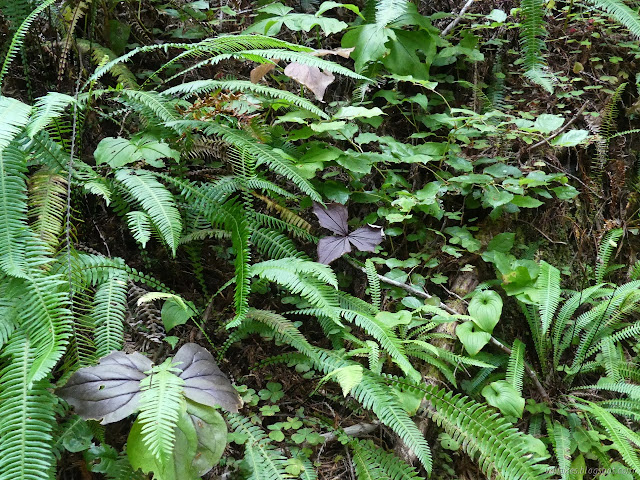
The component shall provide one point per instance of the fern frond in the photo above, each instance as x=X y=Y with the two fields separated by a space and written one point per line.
x=531 y=31
x=275 y=245
x=140 y=225
x=515 y=367
x=46 y=109
x=78 y=12
x=484 y=435
x=28 y=415
x=264 y=460
x=46 y=318
x=274 y=159
x=48 y=204
x=108 y=312
x=374 y=284
x=562 y=447
x=18 y=37
x=373 y=463
x=620 y=12
x=549 y=292
x=607 y=247
x=207 y=86
x=157 y=201
x=13 y=210
x=620 y=435
x=161 y=404
x=99 y=53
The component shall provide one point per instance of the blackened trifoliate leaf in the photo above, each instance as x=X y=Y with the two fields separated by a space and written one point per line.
x=109 y=391
x=334 y=217
x=204 y=382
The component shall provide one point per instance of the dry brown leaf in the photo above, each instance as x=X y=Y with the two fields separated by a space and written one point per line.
x=343 y=52
x=260 y=71
x=310 y=77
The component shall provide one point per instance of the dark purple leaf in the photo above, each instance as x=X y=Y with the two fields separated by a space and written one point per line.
x=334 y=217
x=109 y=391
x=366 y=238
x=331 y=248
x=204 y=382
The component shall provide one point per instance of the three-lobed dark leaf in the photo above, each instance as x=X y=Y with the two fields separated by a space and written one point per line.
x=110 y=391
x=334 y=217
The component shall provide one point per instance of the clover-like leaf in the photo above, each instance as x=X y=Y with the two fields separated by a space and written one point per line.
x=485 y=308
x=204 y=382
x=503 y=396
x=109 y=391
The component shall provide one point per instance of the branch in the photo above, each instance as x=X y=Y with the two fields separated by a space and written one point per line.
x=567 y=125
x=419 y=293
x=455 y=22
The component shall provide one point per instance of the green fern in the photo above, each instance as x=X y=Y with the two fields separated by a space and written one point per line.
x=531 y=31
x=108 y=314
x=373 y=463
x=161 y=403
x=28 y=415
x=18 y=38
x=264 y=461
x=607 y=247
x=497 y=446
x=157 y=201
x=549 y=292
x=515 y=367
x=374 y=284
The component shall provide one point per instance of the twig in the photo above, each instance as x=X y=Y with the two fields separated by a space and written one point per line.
x=527 y=369
x=456 y=20
x=567 y=125
x=497 y=343
x=358 y=430
x=405 y=287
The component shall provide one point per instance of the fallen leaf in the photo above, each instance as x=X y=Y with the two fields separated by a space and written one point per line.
x=260 y=71
x=310 y=77
x=342 y=52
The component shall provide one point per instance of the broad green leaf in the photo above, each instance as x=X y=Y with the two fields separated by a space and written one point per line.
x=504 y=397
x=547 y=123
x=495 y=197
x=176 y=313
x=392 y=320
x=403 y=58
x=351 y=112
x=118 y=152
x=369 y=42
x=526 y=202
x=471 y=337
x=570 y=138
x=485 y=308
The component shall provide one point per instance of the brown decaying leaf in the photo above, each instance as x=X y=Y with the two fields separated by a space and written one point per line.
x=260 y=71
x=343 y=52
x=310 y=77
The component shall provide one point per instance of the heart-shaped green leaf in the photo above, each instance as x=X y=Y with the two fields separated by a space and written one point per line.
x=472 y=339
x=485 y=309
x=504 y=397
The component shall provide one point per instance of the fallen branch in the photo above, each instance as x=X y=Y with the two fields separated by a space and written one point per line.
x=420 y=294
x=562 y=129
x=358 y=430
x=456 y=20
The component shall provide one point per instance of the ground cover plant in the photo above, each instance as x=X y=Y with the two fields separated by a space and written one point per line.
x=317 y=240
